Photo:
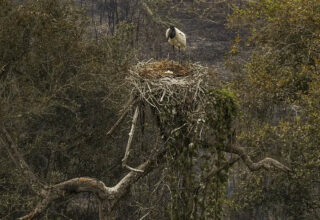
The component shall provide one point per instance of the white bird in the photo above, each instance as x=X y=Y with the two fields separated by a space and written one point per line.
x=176 y=38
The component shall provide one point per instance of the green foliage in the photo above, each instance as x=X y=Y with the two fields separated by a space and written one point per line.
x=222 y=111
x=55 y=90
x=297 y=143
x=279 y=109
x=191 y=159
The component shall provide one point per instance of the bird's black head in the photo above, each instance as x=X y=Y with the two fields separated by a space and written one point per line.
x=172 y=32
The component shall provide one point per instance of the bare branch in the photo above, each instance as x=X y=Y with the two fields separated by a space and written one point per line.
x=267 y=163
x=108 y=195
x=126 y=154
x=132 y=169
x=8 y=143
x=133 y=176
x=82 y=184
x=87 y=184
x=126 y=110
x=145 y=215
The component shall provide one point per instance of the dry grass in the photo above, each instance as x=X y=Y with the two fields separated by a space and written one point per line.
x=164 y=68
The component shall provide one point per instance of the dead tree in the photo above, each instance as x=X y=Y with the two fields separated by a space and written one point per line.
x=187 y=112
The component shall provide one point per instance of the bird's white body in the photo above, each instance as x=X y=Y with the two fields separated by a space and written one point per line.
x=179 y=40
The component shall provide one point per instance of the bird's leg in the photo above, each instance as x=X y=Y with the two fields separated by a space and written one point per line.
x=179 y=56
x=174 y=55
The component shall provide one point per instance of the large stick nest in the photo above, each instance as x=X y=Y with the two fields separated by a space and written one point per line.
x=180 y=96
x=160 y=83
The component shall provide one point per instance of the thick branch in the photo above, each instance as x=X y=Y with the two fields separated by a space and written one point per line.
x=267 y=163
x=84 y=184
x=76 y=185
x=87 y=184
x=133 y=176
x=7 y=142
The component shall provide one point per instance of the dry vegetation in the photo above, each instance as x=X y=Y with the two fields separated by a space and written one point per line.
x=163 y=68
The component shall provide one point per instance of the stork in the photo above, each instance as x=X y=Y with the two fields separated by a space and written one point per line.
x=176 y=38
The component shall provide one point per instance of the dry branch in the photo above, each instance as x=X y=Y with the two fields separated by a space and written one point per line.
x=108 y=195
x=11 y=147
x=126 y=110
x=82 y=184
x=267 y=163
x=126 y=154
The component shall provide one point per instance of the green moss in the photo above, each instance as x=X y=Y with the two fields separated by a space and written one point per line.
x=198 y=122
